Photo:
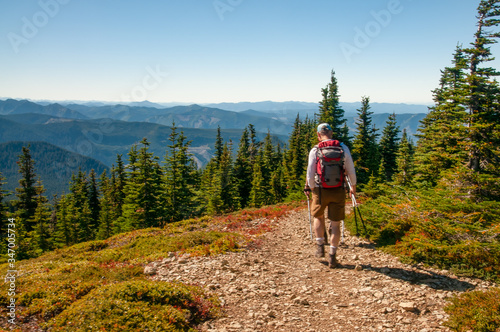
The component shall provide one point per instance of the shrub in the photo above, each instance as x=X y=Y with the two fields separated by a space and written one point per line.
x=475 y=311
x=138 y=305
x=438 y=227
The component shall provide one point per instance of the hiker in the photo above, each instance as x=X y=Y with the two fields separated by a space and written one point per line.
x=328 y=161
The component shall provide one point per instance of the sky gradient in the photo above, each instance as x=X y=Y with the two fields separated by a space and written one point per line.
x=206 y=51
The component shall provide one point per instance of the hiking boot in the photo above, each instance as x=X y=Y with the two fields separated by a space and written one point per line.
x=332 y=261
x=320 y=250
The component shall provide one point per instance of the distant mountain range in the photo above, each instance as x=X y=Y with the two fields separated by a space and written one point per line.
x=91 y=135
x=103 y=139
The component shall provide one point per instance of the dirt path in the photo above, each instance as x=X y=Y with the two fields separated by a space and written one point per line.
x=282 y=287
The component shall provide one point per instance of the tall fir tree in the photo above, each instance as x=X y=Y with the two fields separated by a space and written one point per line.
x=64 y=232
x=79 y=207
x=483 y=105
x=117 y=187
x=107 y=212
x=180 y=177
x=389 y=144
x=258 y=195
x=27 y=191
x=94 y=203
x=42 y=235
x=365 y=149
x=405 y=161
x=227 y=182
x=243 y=169
x=296 y=157
x=143 y=190
x=3 y=217
x=442 y=132
x=331 y=112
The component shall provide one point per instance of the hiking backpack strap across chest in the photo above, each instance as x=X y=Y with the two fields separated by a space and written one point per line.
x=329 y=164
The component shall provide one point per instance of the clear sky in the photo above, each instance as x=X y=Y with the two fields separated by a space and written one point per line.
x=204 y=51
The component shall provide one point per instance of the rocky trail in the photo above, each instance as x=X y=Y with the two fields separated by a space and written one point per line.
x=281 y=286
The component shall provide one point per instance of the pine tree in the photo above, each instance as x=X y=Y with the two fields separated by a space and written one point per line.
x=365 y=150
x=254 y=145
x=219 y=146
x=405 y=171
x=227 y=182
x=331 y=112
x=64 y=231
x=3 y=217
x=27 y=192
x=42 y=236
x=143 y=190
x=442 y=132
x=180 y=177
x=107 y=213
x=483 y=126
x=389 y=149
x=296 y=157
x=118 y=181
x=258 y=193
x=243 y=169
x=94 y=204
x=79 y=207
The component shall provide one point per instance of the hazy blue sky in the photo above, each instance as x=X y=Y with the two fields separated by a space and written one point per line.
x=229 y=50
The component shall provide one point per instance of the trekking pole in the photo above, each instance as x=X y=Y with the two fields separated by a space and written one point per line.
x=354 y=203
x=356 y=208
x=342 y=241
x=309 y=213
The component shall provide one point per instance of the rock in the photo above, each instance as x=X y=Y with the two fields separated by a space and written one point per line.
x=150 y=270
x=408 y=306
x=358 y=267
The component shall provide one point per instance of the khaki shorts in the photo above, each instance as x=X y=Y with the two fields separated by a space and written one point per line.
x=333 y=198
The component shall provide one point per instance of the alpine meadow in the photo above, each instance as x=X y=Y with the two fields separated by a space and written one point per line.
x=74 y=257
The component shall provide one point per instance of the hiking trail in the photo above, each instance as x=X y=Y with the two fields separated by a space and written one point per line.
x=281 y=286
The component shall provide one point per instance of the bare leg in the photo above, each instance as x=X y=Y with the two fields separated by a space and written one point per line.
x=336 y=234
x=319 y=227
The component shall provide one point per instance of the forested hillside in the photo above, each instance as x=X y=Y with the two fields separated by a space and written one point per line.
x=54 y=166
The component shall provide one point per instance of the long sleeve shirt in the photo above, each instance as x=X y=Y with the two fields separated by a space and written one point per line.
x=348 y=166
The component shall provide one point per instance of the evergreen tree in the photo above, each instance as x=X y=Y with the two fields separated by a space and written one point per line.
x=42 y=236
x=442 y=132
x=210 y=190
x=243 y=169
x=64 y=232
x=365 y=150
x=107 y=213
x=180 y=177
x=3 y=217
x=219 y=146
x=94 y=204
x=79 y=207
x=389 y=149
x=143 y=190
x=258 y=195
x=296 y=157
x=226 y=181
x=27 y=192
x=331 y=112
x=254 y=145
x=483 y=105
x=404 y=161
x=278 y=180
x=118 y=181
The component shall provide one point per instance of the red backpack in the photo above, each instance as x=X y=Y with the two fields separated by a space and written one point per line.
x=329 y=164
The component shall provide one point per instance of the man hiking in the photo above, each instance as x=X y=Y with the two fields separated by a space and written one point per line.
x=329 y=162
